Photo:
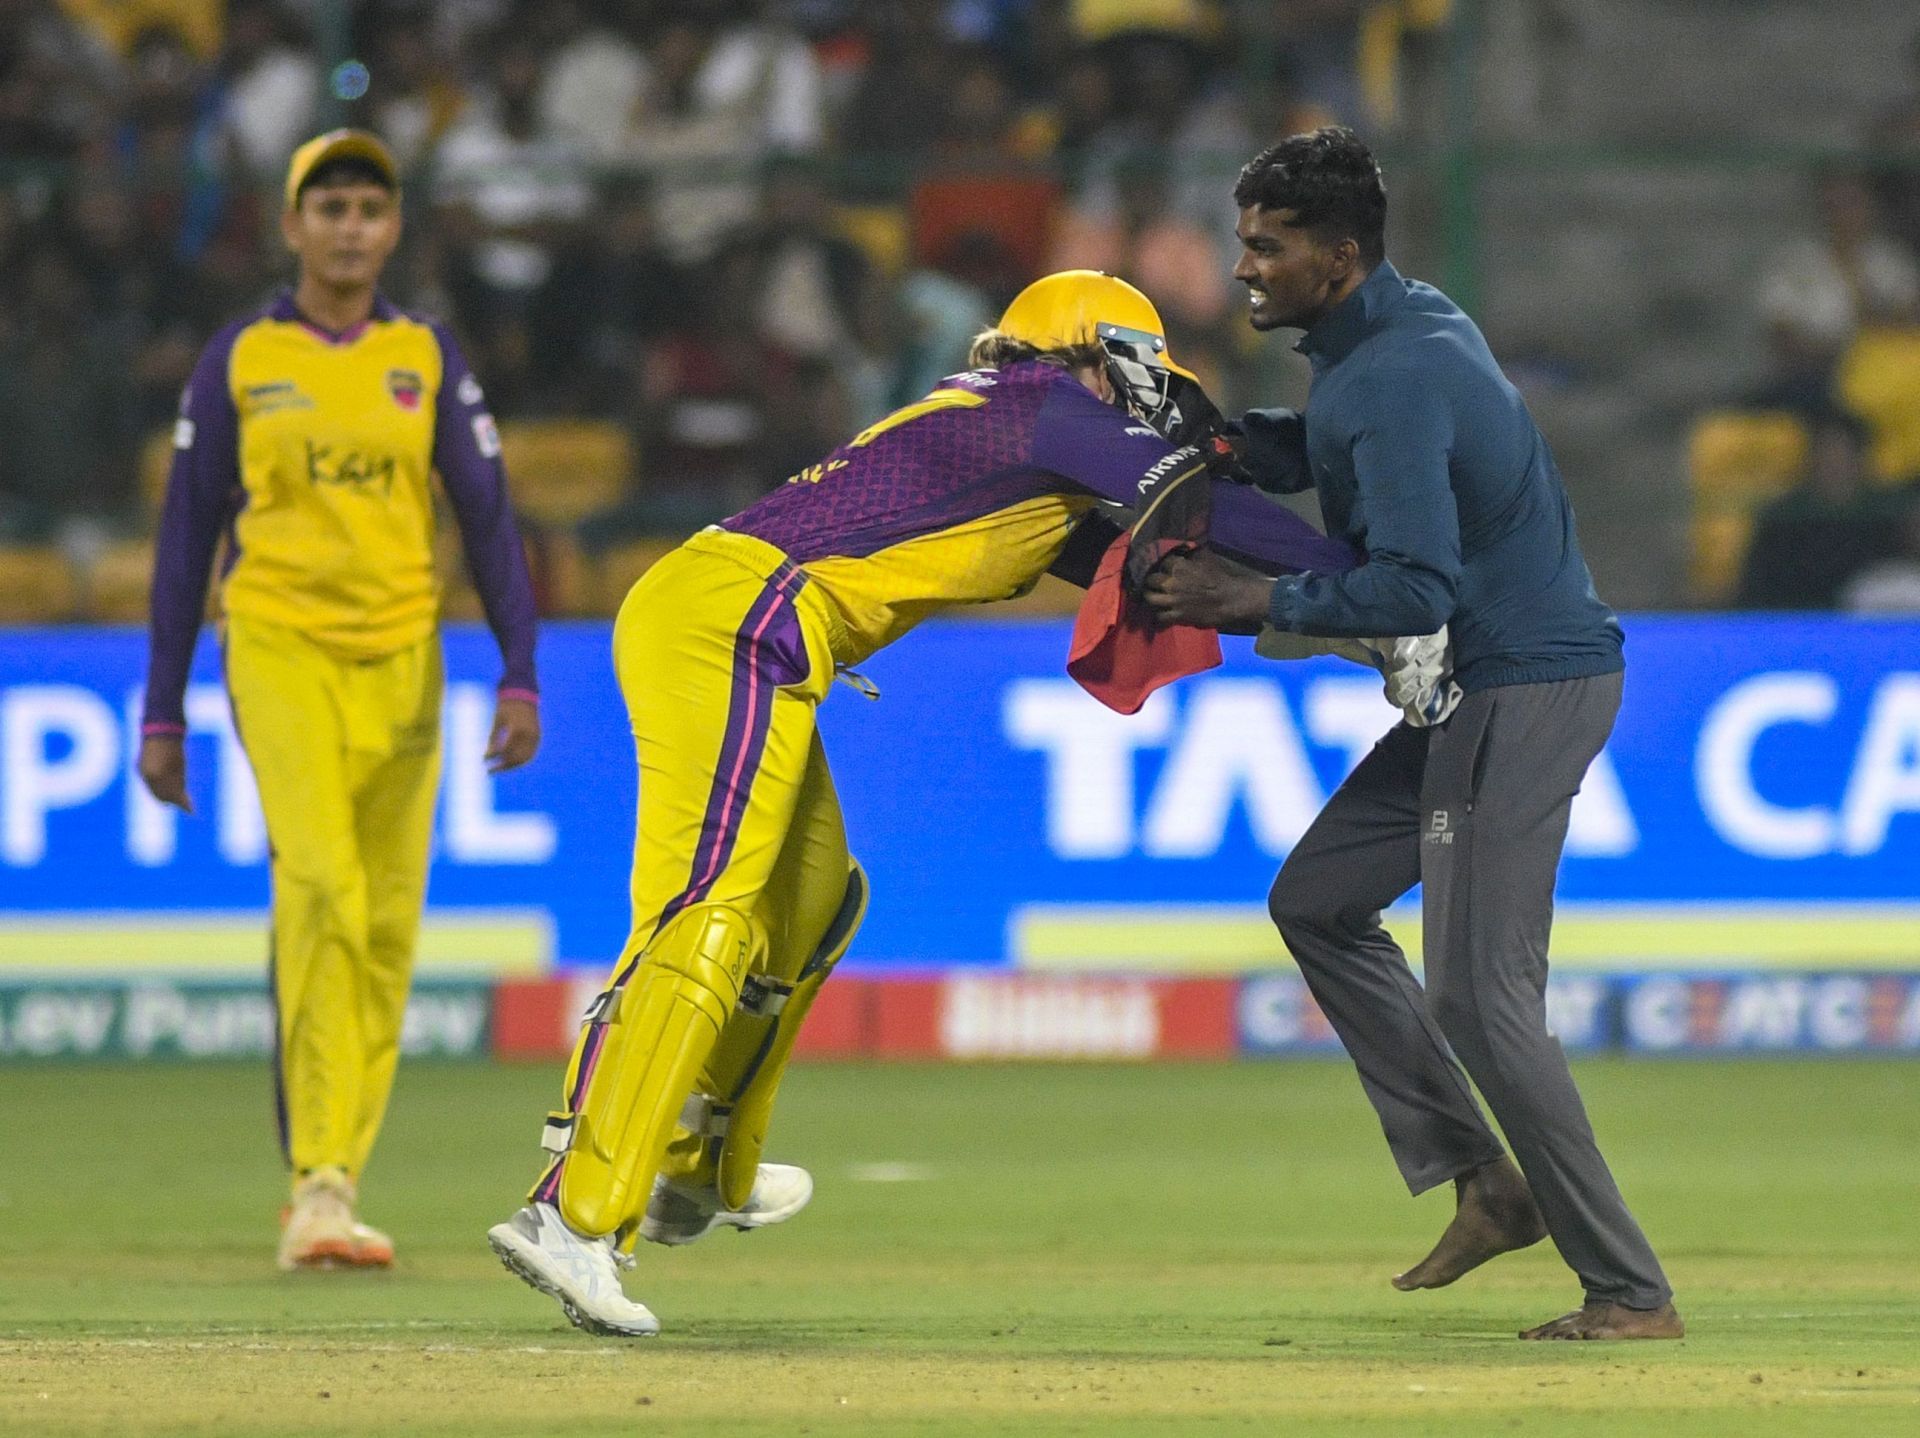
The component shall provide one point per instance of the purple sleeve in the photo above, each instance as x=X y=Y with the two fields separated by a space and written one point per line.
x=1270 y=537
x=203 y=489
x=466 y=452
x=1081 y=437
x=1104 y=450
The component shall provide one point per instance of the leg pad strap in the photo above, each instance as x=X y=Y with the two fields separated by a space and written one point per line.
x=772 y=1040
x=658 y=1030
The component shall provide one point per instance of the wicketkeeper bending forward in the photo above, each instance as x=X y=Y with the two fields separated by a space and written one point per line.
x=744 y=895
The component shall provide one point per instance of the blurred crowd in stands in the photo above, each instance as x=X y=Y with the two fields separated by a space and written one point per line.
x=690 y=245
x=1818 y=468
x=700 y=240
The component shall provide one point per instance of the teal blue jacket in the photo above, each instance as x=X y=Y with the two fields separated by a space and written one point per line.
x=1426 y=459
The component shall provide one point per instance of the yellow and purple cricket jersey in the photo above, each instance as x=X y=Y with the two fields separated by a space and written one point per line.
x=313 y=454
x=968 y=496
x=963 y=498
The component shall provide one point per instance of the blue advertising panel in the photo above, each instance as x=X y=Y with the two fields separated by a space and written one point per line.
x=1759 y=804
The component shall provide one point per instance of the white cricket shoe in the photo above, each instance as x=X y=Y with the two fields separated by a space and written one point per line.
x=371 y=1247
x=316 y=1229
x=537 y=1246
x=311 y=1232
x=680 y=1213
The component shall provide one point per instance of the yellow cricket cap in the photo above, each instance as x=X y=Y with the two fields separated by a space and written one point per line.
x=339 y=145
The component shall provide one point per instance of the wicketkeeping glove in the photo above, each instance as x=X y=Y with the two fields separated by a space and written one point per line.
x=1201 y=425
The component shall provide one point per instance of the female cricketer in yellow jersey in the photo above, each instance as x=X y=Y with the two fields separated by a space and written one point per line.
x=743 y=893
x=308 y=437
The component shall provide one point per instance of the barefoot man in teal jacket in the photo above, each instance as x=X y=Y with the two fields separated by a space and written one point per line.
x=1425 y=458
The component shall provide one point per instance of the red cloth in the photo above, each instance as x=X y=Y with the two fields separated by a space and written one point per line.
x=1119 y=655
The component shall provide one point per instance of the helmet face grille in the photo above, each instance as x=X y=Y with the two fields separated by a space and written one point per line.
x=1138 y=369
x=1143 y=342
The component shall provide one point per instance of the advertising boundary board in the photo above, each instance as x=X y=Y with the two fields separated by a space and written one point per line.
x=969 y=1015
x=160 y=1018
x=1758 y=807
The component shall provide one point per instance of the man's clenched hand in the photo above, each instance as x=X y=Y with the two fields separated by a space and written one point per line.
x=1209 y=591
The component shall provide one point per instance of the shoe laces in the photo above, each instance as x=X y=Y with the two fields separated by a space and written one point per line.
x=592 y=1261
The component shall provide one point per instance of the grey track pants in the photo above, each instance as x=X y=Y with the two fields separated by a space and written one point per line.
x=1476 y=810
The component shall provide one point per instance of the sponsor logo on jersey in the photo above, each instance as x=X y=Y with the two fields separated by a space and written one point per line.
x=351 y=468
x=469 y=390
x=486 y=434
x=273 y=396
x=1165 y=467
x=406 y=387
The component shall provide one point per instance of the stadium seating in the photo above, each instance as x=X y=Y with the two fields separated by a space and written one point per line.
x=36 y=585
x=460 y=604
x=114 y=586
x=614 y=572
x=1383 y=32
x=156 y=459
x=1879 y=380
x=562 y=574
x=563 y=470
x=1736 y=461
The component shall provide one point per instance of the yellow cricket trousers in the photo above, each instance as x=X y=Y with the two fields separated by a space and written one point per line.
x=346 y=754
x=723 y=652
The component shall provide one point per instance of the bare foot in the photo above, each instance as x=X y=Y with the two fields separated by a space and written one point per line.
x=1612 y=1320
x=1495 y=1215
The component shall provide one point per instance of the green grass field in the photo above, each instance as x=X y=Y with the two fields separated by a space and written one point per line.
x=1051 y=1250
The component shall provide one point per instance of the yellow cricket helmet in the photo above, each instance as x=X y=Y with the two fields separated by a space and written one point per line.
x=1078 y=307
x=1073 y=308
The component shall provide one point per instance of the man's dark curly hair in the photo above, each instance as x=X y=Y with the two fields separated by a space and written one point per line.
x=1329 y=179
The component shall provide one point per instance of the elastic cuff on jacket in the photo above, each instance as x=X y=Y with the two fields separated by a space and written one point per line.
x=154 y=726
x=532 y=696
x=1280 y=604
